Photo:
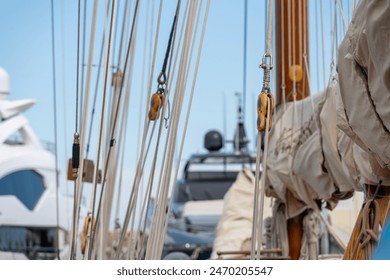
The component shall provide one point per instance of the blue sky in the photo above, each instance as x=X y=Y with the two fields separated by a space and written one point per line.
x=26 y=54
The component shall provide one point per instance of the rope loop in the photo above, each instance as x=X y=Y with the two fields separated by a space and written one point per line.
x=162 y=79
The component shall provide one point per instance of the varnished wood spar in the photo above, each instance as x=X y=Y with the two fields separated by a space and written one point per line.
x=297 y=25
x=295 y=232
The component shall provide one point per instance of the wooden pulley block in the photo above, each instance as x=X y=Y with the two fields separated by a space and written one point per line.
x=262 y=109
x=295 y=73
x=155 y=105
x=85 y=233
x=87 y=221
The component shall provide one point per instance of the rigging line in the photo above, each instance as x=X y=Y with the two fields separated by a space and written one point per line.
x=160 y=207
x=164 y=219
x=123 y=133
x=158 y=211
x=269 y=32
x=78 y=181
x=112 y=141
x=294 y=89
x=142 y=158
x=154 y=162
x=167 y=52
x=179 y=46
x=64 y=90
x=174 y=67
x=342 y=15
x=244 y=58
x=317 y=47
x=75 y=151
x=83 y=56
x=125 y=109
x=146 y=119
x=300 y=35
x=289 y=31
x=168 y=76
x=145 y=70
x=200 y=47
x=309 y=85
x=124 y=31
x=95 y=98
x=144 y=94
x=283 y=86
x=172 y=134
x=323 y=44
x=136 y=181
x=77 y=67
x=262 y=182
x=55 y=128
x=334 y=33
x=107 y=68
x=256 y=196
x=143 y=220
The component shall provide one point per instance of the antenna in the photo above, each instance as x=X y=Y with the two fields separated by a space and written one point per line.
x=244 y=72
x=240 y=138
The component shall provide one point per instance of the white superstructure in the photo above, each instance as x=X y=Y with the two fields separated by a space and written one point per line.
x=29 y=212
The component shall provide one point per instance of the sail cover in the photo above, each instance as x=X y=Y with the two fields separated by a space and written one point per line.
x=235 y=225
x=324 y=148
x=364 y=71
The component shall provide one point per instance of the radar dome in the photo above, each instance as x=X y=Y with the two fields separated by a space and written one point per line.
x=213 y=141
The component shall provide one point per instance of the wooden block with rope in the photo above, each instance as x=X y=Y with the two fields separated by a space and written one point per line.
x=372 y=215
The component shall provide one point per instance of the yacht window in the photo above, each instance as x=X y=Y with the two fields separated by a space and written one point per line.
x=26 y=185
x=203 y=190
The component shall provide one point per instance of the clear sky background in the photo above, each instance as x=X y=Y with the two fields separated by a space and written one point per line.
x=26 y=54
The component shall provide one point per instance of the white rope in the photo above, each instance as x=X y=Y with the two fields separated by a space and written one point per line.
x=309 y=82
x=289 y=24
x=150 y=183
x=323 y=44
x=127 y=97
x=143 y=154
x=300 y=18
x=342 y=15
x=257 y=223
x=154 y=248
x=191 y=98
x=269 y=32
x=317 y=47
x=256 y=199
x=101 y=128
x=79 y=184
x=283 y=86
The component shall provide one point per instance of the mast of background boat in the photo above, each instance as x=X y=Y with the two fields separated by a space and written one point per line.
x=291 y=45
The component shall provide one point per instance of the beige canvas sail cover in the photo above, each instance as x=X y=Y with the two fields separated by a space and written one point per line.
x=364 y=72
x=235 y=225
x=325 y=148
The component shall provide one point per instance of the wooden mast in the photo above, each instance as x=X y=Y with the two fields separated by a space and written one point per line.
x=291 y=46
x=291 y=50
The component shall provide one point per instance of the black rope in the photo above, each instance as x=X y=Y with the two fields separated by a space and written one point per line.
x=164 y=67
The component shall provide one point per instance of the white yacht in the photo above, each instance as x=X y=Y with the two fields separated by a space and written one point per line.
x=32 y=216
